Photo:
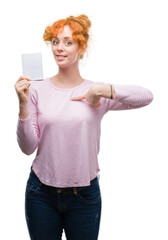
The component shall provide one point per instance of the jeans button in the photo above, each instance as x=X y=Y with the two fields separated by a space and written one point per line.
x=75 y=191
x=58 y=190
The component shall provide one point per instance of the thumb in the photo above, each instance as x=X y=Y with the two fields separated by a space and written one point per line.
x=77 y=98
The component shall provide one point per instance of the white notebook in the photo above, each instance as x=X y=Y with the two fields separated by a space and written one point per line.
x=32 y=66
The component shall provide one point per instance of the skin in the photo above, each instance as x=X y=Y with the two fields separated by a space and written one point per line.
x=68 y=75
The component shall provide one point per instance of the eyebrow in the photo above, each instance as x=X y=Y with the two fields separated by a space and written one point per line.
x=67 y=37
x=64 y=37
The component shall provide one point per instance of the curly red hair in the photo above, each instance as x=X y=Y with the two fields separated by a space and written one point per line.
x=79 y=25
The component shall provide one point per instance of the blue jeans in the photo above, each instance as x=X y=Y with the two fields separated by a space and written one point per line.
x=49 y=210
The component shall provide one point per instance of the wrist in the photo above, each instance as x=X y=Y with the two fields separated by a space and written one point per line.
x=23 y=104
x=104 y=90
x=23 y=111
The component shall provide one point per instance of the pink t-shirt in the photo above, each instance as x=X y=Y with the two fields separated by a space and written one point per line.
x=66 y=133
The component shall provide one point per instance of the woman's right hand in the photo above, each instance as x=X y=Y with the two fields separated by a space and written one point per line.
x=22 y=89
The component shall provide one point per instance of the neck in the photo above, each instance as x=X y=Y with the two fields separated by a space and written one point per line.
x=69 y=76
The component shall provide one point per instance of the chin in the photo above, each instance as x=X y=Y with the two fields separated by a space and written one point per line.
x=66 y=65
x=62 y=65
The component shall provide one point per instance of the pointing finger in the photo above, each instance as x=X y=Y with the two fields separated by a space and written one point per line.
x=77 y=98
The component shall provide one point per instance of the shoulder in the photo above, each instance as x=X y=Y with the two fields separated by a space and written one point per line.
x=91 y=82
x=97 y=82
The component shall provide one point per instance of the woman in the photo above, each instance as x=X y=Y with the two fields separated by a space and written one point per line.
x=60 y=117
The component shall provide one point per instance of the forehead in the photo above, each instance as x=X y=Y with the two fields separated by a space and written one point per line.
x=65 y=32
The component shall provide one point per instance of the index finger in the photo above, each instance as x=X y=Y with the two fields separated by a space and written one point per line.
x=23 y=77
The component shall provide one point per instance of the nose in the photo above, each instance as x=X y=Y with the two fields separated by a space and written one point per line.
x=60 y=47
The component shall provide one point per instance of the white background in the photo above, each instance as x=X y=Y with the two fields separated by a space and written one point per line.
x=128 y=45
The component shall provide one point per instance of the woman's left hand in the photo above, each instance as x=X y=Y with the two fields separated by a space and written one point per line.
x=91 y=97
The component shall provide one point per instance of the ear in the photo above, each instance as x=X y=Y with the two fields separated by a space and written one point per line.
x=82 y=51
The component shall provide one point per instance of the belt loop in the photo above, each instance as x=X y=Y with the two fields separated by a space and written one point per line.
x=75 y=190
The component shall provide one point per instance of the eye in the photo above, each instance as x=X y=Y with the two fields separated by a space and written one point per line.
x=54 y=42
x=68 y=43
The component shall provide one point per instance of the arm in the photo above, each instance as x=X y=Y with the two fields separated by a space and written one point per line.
x=124 y=96
x=24 y=112
x=28 y=132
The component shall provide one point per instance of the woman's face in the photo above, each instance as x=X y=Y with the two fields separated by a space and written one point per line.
x=65 y=50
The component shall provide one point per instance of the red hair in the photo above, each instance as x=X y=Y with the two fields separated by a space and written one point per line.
x=79 y=25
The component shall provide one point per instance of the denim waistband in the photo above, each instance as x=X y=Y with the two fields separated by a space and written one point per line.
x=38 y=182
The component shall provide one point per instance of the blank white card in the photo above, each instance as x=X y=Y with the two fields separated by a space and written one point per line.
x=32 y=66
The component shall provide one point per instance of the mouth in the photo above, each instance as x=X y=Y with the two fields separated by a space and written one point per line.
x=61 y=56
